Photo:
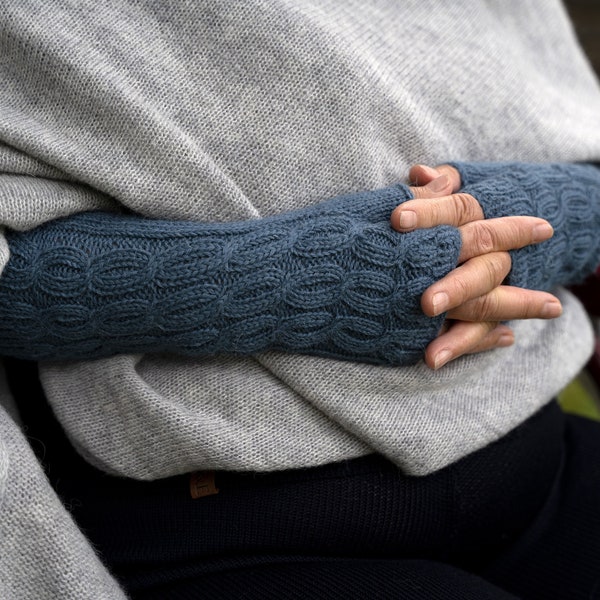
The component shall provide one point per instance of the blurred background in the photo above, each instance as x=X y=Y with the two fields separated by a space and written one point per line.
x=586 y=16
x=582 y=396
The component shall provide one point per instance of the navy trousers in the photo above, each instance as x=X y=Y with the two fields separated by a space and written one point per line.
x=518 y=519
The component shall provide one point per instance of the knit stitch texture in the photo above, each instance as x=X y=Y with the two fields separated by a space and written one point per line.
x=224 y=111
x=234 y=111
x=568 y=196
x=332 y=280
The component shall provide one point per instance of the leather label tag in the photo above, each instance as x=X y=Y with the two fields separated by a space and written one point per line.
x=202 y=483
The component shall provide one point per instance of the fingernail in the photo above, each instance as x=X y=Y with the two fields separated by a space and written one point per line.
x=440 y=301
x=506 y=340
x=439 y=184
x=542 y=232
x=441 y=358
x=430 y=171
x=551 y=310
x=407 y=219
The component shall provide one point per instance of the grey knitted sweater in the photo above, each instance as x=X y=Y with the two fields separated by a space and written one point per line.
x=331 y=280
x=227 y=111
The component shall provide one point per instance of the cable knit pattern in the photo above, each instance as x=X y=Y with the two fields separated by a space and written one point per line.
x=332 y=280
x=225 y=111
x=568 y=196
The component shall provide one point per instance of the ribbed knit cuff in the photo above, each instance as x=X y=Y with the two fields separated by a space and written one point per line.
x=566 y=195
x=332 y=280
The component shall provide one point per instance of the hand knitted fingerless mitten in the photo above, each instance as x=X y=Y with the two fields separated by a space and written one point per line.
x=566 y=195
x=332 y=280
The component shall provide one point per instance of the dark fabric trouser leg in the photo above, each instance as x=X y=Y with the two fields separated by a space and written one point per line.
x=558 y=556
x=507 y=519
x=348 y=579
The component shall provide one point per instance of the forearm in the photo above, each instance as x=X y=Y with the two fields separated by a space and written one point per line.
x=333 y=280
x=567 y=195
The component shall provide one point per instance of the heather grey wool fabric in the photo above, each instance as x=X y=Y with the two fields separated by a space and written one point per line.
x=231 y=110
x=44 y=555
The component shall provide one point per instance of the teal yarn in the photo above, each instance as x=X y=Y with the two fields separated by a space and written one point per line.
x=566 y=195
x=331 y=280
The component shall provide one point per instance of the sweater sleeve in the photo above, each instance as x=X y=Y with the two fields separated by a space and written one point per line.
x=566 y=195
x=332 y=280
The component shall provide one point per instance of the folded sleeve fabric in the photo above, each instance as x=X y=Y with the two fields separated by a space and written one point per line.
x=332 y=280
x=566 y=195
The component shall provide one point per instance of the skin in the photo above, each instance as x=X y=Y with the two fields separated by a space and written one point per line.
x=473 y=294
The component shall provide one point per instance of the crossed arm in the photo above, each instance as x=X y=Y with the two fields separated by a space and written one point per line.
x=332 y=280
x=567 y=194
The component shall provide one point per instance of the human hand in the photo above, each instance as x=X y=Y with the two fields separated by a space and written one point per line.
x=472 y=293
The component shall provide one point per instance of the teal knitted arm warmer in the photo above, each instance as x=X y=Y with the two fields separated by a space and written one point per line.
x=332 y=280
x=566 y=195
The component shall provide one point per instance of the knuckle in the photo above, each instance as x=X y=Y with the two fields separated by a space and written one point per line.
x=463 y=205
x=504 y=263
x=453 y=174
x=485 y=238
x=486 y=340
x=529 y=309
x=488 y=307
x=462 y=290
x=518 y=232
x=496 y=267
x=491 y=329
x=437 y=212
x=417 y=192
x=513 y=232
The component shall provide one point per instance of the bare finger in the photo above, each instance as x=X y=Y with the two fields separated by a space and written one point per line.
x=473 y=279
x=500 y=337
x=505 y=303
x=504 y=233
x=423 y=174
x=457 y=209
x=438 y=187
x=464 y=338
